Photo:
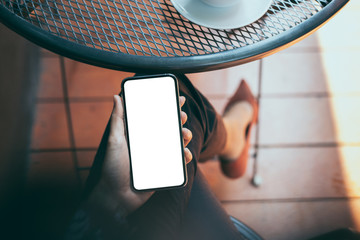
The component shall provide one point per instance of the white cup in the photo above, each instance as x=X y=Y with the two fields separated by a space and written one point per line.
x=220 y=3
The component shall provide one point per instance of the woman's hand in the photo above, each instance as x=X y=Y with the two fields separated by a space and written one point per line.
x=113 y=192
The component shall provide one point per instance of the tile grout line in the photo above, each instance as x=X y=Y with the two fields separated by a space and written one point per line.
x=310 y=95
x=62 y=149
x=288 y=200
x=75 y=99
x=259 y=146
x=69 y=119
x=210 y=96
x=278 y=95
x=310 y=145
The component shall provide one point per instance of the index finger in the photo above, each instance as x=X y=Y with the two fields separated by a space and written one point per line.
x=182 y=100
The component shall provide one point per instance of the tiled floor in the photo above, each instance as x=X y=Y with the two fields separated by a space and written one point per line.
x=306 y=147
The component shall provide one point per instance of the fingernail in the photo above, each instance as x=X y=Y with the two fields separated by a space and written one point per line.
x=114 y=98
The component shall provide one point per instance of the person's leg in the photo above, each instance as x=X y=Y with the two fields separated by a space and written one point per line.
x=223 y=135
x=203 y=118
x=163 y=215
x=205 y=218
x=194 y=210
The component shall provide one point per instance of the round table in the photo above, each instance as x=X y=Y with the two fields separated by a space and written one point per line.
x=151 y=36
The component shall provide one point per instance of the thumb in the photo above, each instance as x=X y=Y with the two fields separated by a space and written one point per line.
x=117 y=123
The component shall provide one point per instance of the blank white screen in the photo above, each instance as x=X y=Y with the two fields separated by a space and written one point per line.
x=154 y=133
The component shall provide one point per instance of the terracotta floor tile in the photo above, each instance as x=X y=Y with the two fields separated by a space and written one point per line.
x=249 y=72
x=50 y=129
x=296 y=220
x=341 y=70
x=346 y=118
x=353 y=5
x=308 y=44
x=224 y=82
x=332 y=72
x=225 y=188
x=331 y=35
x=310 y=172
x=219 y=103
x=292 y=173
x=52 y=170
x=210 y=83
x=50 y=85
x=85 y=158
x=309 y=120
x=89 y=122
x=89 y=81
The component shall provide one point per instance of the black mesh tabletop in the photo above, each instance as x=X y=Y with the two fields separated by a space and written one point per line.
x=151 y=36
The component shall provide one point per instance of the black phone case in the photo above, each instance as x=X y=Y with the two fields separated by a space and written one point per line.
x=122 y=95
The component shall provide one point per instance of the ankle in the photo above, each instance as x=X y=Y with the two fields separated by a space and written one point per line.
x=236 y=119
x=227 y=146
x=241 y=112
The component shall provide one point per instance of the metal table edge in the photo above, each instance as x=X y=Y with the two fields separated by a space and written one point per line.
x=182 y=64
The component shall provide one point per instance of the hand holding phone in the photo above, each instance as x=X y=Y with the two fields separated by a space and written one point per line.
x=113 y=192
x=157 y=158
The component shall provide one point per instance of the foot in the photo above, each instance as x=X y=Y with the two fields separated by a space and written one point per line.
x=236 y=119
x=239 y=117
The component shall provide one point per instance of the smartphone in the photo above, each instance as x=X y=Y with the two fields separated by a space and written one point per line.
x=154 y=132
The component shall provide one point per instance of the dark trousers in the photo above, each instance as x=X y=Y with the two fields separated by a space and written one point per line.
x=192 y=212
